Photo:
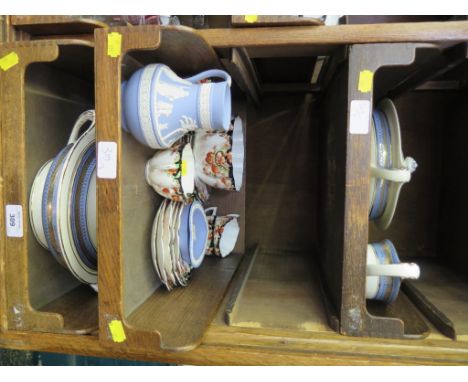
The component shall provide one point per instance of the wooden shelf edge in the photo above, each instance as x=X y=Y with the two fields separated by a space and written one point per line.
x=338 y=34
x=237 y=346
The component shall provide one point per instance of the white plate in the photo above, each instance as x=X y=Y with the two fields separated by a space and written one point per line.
x=166 y=246
x=154 y=241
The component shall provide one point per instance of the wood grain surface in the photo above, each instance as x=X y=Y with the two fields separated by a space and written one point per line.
x=55 y=25
x=340 y=34
x=264 y=20
x=20 y=311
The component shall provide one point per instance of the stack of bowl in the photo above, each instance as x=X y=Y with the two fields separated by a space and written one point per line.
x=62 y=203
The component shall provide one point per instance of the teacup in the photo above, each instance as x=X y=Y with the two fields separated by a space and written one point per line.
x=219 y=157
x=171 y=173
x=388 y=169
x=222 y=234
x=384 y=272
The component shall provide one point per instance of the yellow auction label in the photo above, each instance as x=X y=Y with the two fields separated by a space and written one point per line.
x=183 y=167
x=114 y=44
x=117 y=331
x=366 y=79
x=8 y=61
x=251 y=18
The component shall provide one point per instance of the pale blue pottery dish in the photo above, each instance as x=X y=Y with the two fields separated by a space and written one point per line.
x=193 y=234
x=384 y=160
x=388 y=286
x=81 y=236
x=198 y=234
x=159 y=108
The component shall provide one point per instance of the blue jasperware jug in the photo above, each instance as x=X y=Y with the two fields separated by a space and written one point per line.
x=159 y=108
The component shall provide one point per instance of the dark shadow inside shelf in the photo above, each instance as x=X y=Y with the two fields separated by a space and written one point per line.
x=54 y=98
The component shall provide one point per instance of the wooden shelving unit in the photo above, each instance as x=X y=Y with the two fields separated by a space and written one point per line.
x=311 y=222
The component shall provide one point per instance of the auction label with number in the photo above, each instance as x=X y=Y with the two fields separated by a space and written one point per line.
x=14 y=220
x=107 y=160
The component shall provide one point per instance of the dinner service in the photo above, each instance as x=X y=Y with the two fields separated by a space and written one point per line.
x=61 y=208
x=159 y=107
x=384 y=272
x=389 y=169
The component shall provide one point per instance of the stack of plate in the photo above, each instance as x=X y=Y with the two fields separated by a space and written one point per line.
x=178 y=241
x=62 y=203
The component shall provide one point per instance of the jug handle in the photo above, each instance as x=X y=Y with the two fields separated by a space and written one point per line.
x=211 y=211
x=403 y=270
x=210 y=73
x=86 y=116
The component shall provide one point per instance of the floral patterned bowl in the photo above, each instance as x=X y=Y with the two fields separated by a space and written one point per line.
x=171 y=173
x=219 y=157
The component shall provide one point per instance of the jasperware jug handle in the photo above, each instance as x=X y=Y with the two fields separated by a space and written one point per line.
x=86 y=116
x=210 y=73
x=211 y=211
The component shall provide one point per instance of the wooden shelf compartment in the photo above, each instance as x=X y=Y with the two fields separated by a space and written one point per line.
x=41 y=100
x=397 y=69
x=130 y=290
x=429 y=224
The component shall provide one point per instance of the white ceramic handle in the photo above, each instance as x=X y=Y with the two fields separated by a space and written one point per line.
x=86 y=116
x=393 y=175
x=211 y=211
x=403 y=270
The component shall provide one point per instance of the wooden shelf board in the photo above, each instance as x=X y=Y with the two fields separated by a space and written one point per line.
x=55 y=25
x=282 y=292
x=182 y=315
x=339 y=34
x=79 y=309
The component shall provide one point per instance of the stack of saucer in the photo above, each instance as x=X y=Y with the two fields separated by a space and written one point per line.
x=179 y=240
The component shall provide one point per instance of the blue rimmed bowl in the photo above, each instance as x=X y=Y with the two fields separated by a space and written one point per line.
x=388 y=168
x=385 y=272
x=61 y=209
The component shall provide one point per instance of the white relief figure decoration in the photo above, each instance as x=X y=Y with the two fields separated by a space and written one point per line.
x=172 y=92
x=164 y=108
x=188 y=124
